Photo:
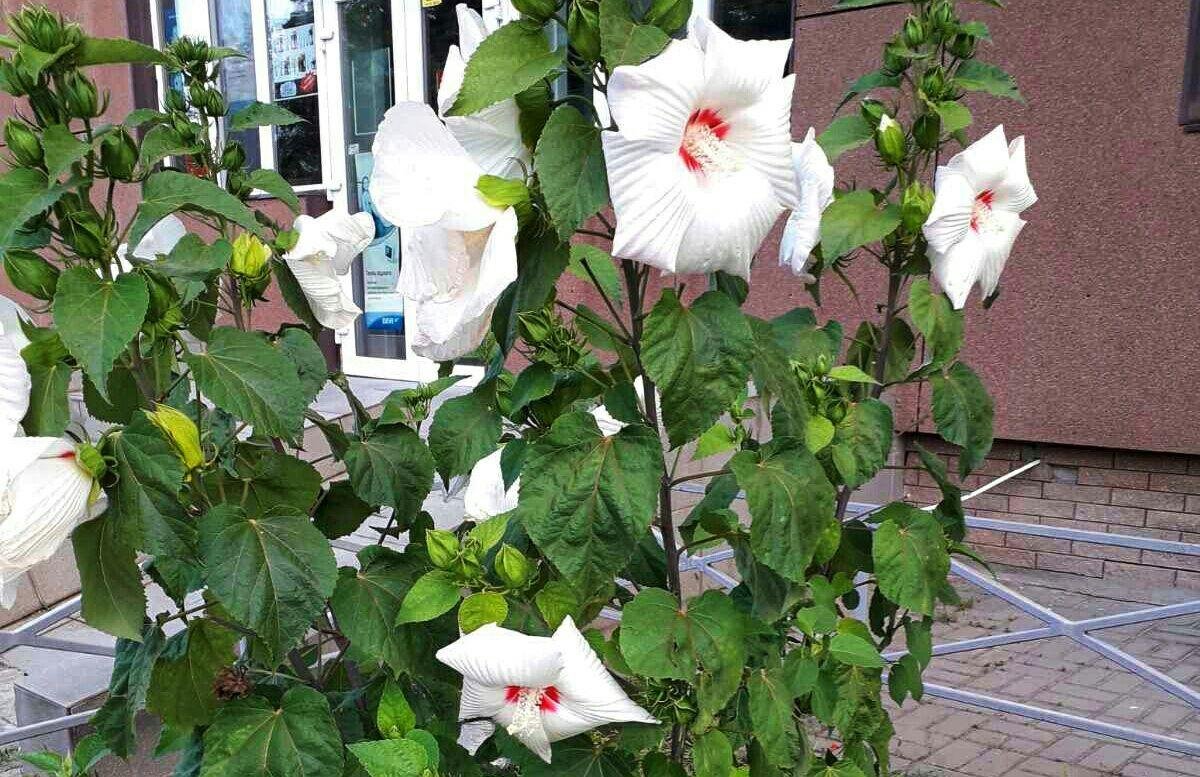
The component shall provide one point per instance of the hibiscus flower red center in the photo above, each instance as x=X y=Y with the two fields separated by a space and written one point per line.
x=546 y=698
x=981 y=211
x=703 y=149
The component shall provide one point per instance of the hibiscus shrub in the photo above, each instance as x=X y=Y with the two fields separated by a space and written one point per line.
x=638 y=147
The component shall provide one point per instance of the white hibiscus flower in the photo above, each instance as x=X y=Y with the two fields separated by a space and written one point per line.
x=325 y=249
x=15 y=384
x=814 y=188
x=459 y=251
x=975 y=218
x=701 y=165
x=541 y=689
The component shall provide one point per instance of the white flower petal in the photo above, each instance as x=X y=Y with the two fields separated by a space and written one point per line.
x=958 y=268
x=161 y=238
x=472 y=29
x=652 y=101
x=950 y=218
x=330 y=303
x=997 y=242
x=15 y=386
x=588 y=694
x=651 y=197
x=1015 y=193
x=984 y=162
x=762 y=133
x=733 y=216
x=737 y=72
x=498 y=657
x=422 y=175
x=605 y=420
x=479 y=700
x=11 y=316
x=493 y=139
x=9 y=580
x=534 y=736
x=814 y=183
x=336 y=236
x=486 y=495
x=453 y=75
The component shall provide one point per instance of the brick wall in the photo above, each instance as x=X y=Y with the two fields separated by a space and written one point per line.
x=1095 y=489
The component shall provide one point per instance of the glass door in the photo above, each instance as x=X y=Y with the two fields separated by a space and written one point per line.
x=386 y=50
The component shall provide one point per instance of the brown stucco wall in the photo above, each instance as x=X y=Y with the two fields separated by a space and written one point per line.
x=1095 y=339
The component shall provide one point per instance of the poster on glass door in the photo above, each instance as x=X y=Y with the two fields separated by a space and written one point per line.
x=293 y=48
x=383 y=306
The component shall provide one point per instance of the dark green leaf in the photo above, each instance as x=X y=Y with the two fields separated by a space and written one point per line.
x=771 y=715
x=169 y=191
x=570 y=165
x=97 y=318
x=50 y=376
x=976 y=76
x=62 y=150
x=713 y=755
x=876 y=79
x=904 y=679
x=367 y=601
x=433 y=594
x=623 y=41
x=937 y=321
x=508 y=61
x=843 y=134
x=340 y=511
x=127 y=688
x=541 y=259
x=308 y=359
x=116 y=51
x=258 y=114
x=911 y=562
x=274 y=184
x=862 y=441
x=774 y=377
x=962 y=411
x=253 y=736
x=393 y=467
x=464 y=430
x=162 y=141
x=113 y=598
x=854 y=220
x=182 y=688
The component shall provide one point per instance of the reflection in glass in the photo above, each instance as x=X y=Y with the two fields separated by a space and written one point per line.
x=754 y=19
x=234 y=29
x=291 y=40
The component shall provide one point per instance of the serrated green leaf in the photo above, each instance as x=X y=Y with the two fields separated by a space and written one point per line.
x=624 y=41
x=97 y=318
x=253 y=736
x=843 y=134
x=770 y=706
x=962 y=411
x=433 y=594
x=181 y=690
x=169 y=191
x=392 y=467
x=853 y=650
x=366 y=602
x=162 y=141
x=62 y=149
x=274 y=184
x=587 y=499
x=308 y=360
x=113 y=598
x=976 y=76
x=876 y=79
x=480 y=609
x=391 y=757
x=24 y=193
x=115 y=51
x=258 y=114
x=507 y=62
x=713 y=755
x=954 y=115
x=395 y=717
x=570 y=165
x=340 y=511
x=773 y=375
x=465 y=429
x=904 y=680
x=49 y=412
x=911 y=562
x=862 y=441
x=272 y=573
x=854 y=220
x=127 y=687
x=937 y=320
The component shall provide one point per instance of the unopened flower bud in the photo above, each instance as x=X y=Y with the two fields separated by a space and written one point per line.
x=894 y=62
x=914 y=32
x=90 y=460
x=164 y=299
x=534 y=327
x=443 y=547
x=118 y=154
x=233 y=157
x=927 y=130
x=942 y=15
x=963 y=45
x=538 y=10
x=213 y=103
x=512 y=567
x=175 y=101
x=915 y=205
x=933 y=83
x=889 y=141
x=180 y=430
x=82 y=99
x=23 y=143
x=31 y=273
x=250 y=257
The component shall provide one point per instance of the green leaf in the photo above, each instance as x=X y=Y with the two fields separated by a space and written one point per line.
x=162 y=141
x=127 y=688
x=181 y=690
x=719 y=439
x=273 y=573
x=116 y=51
x=949 y=511
x=293 y=296
x=904 y=679
x=433 y=594
x=391 y=757
x=465 y=429
x=587 y=499
x=669 y=15
x=113 y=598
x=911 y=562
x=502 y=192
x=556 y=601
x=790 y=500
x=308 y=360
x=819 y=433
x=774 y=376
x=192 y=264
x=269 y=480
x=876 y=79
x=274 y=184
x=853 y=220
x=954 y=115
x=700 y=359
x=395 y=717
x=862 y=441
x=623 y=41
x=392 y=467
x=850 y=374
x=24 y=193
x=258 y=114
x=541 y=259
x=50 y=376
x=480 y=609
x=578 y=757
x=62 y=150
x=340 y=511
x=97 y=318
x=713 y=755
x=169 y=191
x=508 y=61
x=962 y=411
x=853 y=650
x=862 y=3
x=245 y=376
x=253 y=736
x=937 y=321
x=570 y=165
x=976 y=76
x=535 y=382
x=367 y=600
x=771 y=715
x=845 y=133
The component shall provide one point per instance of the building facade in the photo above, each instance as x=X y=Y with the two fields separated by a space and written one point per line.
x=1093 y=347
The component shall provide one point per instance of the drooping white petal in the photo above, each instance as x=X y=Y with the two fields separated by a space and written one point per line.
x=984 y=163
x=957 y=269
x=422 y=175
x=1015 y=193
x=486 y=495
x=950 y=218
x=737 y=72
x=318 y=279
x=497 y=657
x=588 y=696
x=15 y=386
x=814 y=185
x=733 y=216
x=336 y=236
x=652 y=101
x=651 y=196
x=43 y=495
x=997 y=241
x=479 y=700
x=762 y=134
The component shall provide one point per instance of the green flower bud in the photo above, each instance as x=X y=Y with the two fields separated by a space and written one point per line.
x=933 y=83
x=23 y=143
x=872 y=110
x=914 y=32
x=118 y=154
x=915 y=205
x=163 y=296
x=893 y=61
x=31 y=273
x=583 y=28
x=37 y=27
x=82 y=99
x=889 y=141
x=963 y=45
x=88 y=457
x=927 y=130
x=538 y=10
x=83 y=230
x=941 y=16
x=443 y=547
x=534 y=327
x=47 y=107
x=512 y=567
x=250 y=257
x=180 y=430
x=233 y=157
x=175 y=101
x=13 y=79
x=212 y=103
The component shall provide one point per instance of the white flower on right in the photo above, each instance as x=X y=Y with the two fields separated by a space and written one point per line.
x=44 y=494
x=701 y=165
x=15 y=383
x=486 y=496
x=541 y=689
x=975 y=218
x=814 y=187
x=324 y=250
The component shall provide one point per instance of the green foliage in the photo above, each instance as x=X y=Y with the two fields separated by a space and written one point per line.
x=625 y=41
x=97 y=318
x=254 y=736
x=570 y=165
x=113 y=598
x=464 y=430
x=509 y=61
x=854 y=220
x=911 y=562
x=962 y=411
x=392 y=467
